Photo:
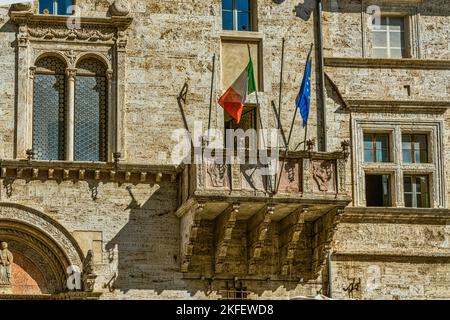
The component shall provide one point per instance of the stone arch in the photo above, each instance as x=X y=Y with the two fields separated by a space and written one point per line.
x=100 y=58
x=44 y=250
x=52 y=54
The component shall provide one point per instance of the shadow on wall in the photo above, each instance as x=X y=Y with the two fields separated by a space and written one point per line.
x=147 y=247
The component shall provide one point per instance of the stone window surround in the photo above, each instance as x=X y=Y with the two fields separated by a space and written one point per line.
x=398 y=8
x=434 y=169
x=71 y=75
x=101 y=38
x=243 y=37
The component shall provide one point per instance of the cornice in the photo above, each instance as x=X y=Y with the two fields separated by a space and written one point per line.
x=414 y=106
x=396 y=215
x=20 y=18
x=341 y=62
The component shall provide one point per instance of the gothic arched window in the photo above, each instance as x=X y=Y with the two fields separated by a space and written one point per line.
x=91 y=116
x=55 y=7
x=49 y=109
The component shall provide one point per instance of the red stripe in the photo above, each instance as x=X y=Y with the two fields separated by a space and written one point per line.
x=231 y=101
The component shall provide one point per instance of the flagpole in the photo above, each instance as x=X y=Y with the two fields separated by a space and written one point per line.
x=281 y=76
x=211 y=94
x=292 y=125
x=258 y=109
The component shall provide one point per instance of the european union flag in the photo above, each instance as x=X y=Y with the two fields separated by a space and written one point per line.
x=303 y=101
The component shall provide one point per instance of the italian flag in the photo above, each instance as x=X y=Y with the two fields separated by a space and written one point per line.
x=234 y=98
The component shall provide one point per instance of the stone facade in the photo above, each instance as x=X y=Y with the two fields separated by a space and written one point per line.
x=162 y=230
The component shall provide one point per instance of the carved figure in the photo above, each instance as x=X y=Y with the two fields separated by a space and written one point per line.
x=6 y=260
x=322 y=173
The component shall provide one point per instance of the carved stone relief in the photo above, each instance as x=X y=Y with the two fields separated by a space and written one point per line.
x=87 y=33
x=289 y=176
x=217 y=175
x=12 y=213
x=323 y=173
x=252 y=177
x=6 y=261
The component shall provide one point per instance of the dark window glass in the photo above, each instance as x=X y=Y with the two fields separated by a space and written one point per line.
x=243 y=5
x=376 y=147
x=60 y=7
x=416 y=191
x=243 y=21
x=378 y=191
x=227 y=20
x=46 y=7
x=64 y=7
x=49 y=109
x=90 y=112
x=227 y=5
x=415 y=148
x=237 y=15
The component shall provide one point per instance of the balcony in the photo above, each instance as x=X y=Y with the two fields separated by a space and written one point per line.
x=234 y=222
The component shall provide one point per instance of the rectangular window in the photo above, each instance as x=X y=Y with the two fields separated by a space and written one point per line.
x=415 y=148
x=376 y=147
x=378 y=190
x=237 y=15
x=416 y=191
x=388 y=39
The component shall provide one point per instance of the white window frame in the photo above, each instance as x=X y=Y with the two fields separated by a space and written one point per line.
x=388 y=32
x=396 y=8
x=414 y=191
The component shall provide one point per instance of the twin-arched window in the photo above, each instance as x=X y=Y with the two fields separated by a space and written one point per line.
x=55 y=7
x=70 y=126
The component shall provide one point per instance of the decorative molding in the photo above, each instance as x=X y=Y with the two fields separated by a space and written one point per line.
x=29 y=18
x=415 y=106
x=62 y=170
x=46 y=226
x=428 y=64
x=102 y=38
x=120 y=8
x=396 y=215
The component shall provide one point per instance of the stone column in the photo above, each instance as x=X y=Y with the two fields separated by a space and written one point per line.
x=23 y=105
x=121 y=44
x=70 y=125
x=111 y=116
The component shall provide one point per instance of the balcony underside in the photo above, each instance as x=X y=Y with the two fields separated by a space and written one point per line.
x=233 y=224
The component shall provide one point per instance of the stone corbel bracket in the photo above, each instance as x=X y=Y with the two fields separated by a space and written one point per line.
x=225 y=224
x=72 y=171
x=260 y=225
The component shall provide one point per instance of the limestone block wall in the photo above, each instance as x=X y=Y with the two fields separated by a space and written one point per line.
x=172 y=42
x=392 y=261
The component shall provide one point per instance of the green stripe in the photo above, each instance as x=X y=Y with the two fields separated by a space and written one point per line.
x=251 y=77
